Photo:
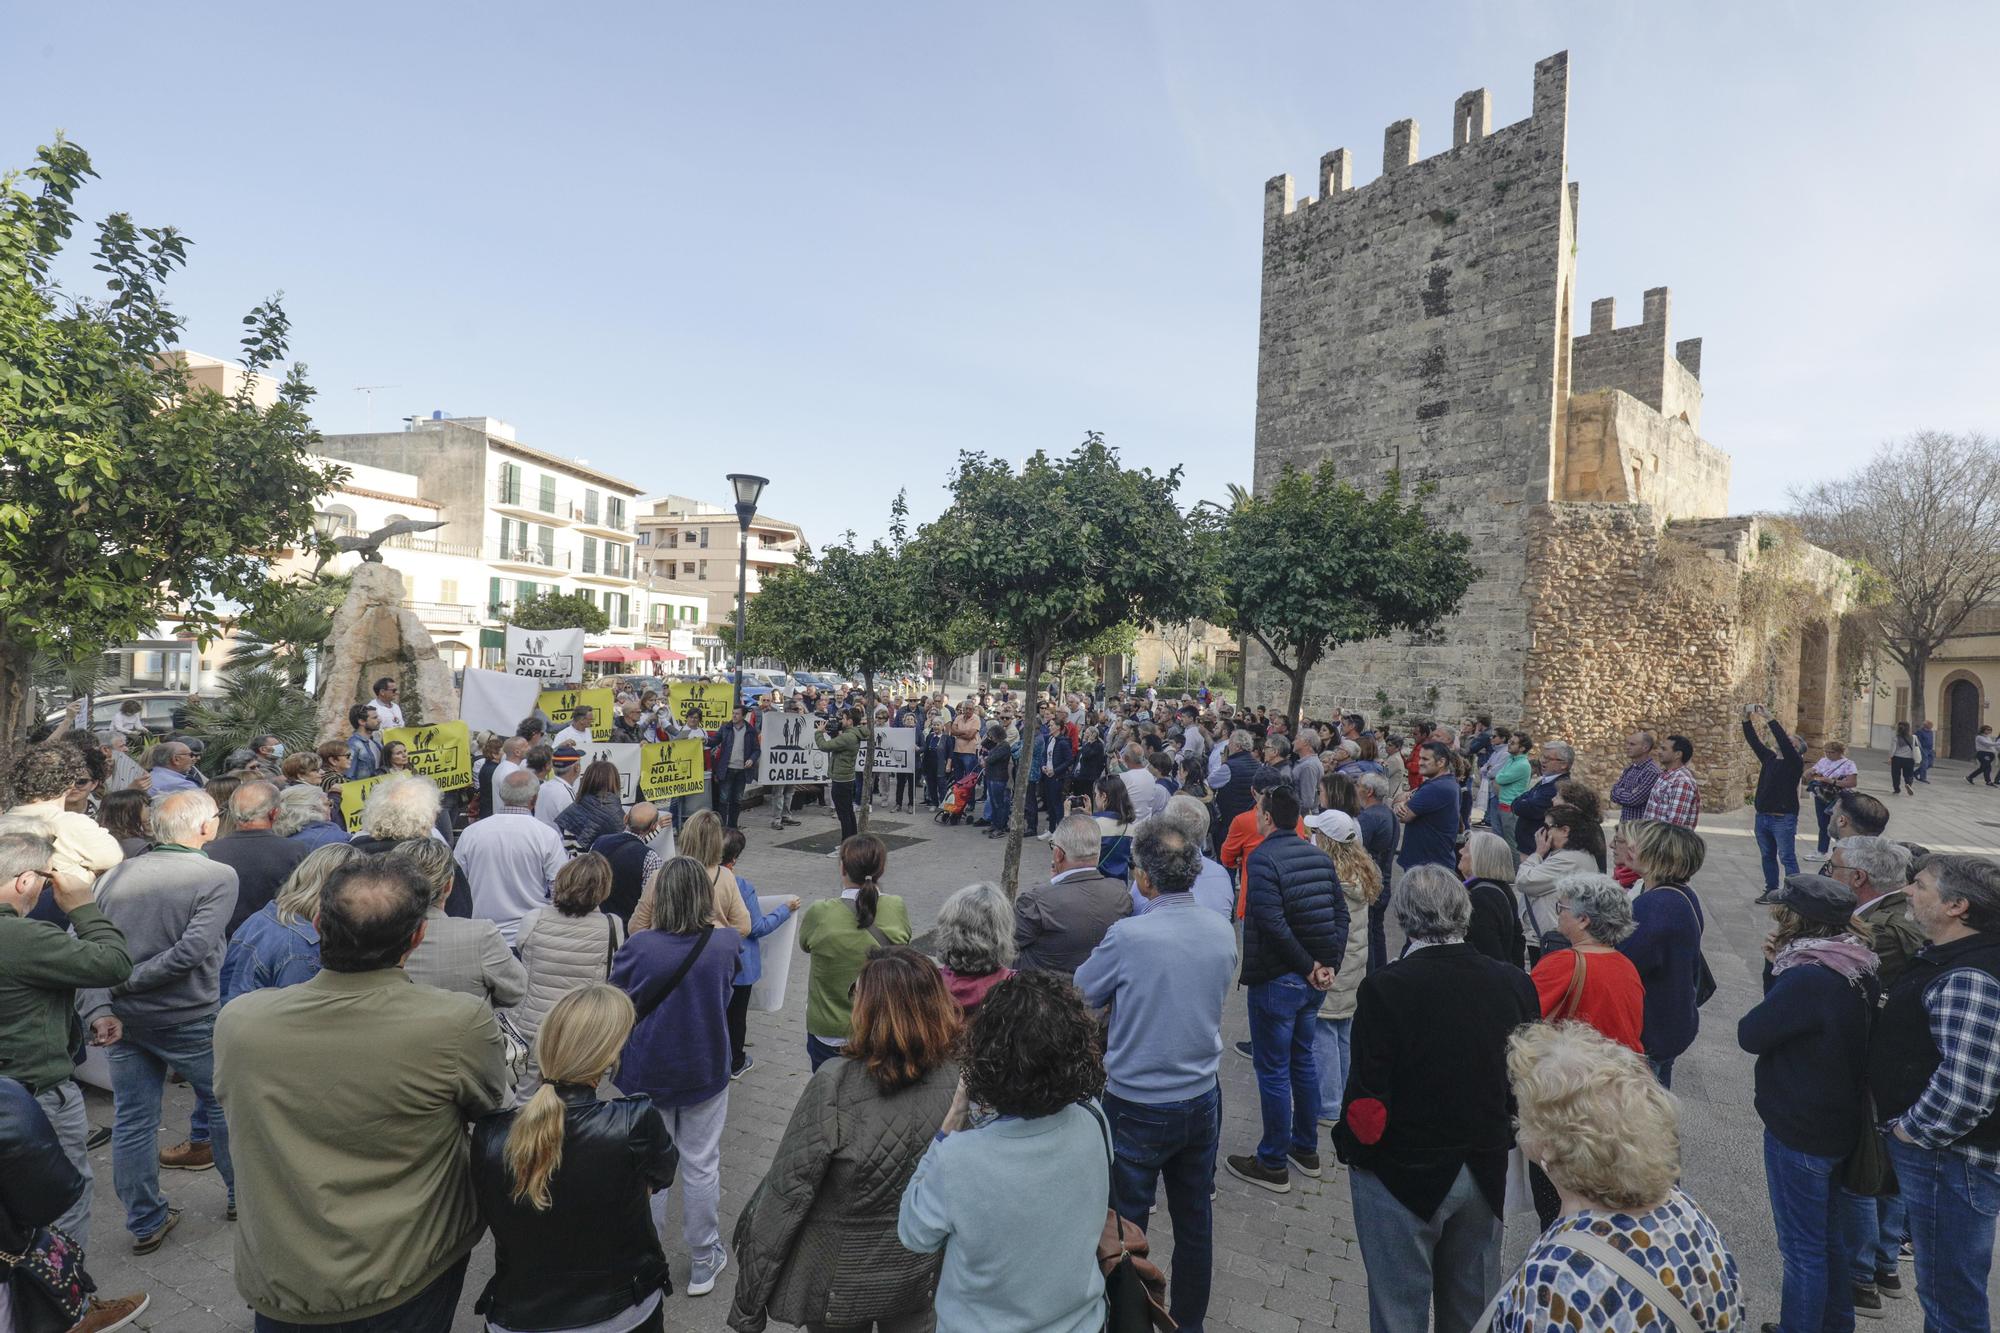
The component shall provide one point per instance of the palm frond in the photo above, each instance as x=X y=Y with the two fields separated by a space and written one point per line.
x=255 y=701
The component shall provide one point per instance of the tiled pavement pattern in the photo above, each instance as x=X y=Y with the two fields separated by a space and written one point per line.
x=1283 y=1263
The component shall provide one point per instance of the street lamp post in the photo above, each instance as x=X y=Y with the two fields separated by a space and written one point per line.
x=748 y=488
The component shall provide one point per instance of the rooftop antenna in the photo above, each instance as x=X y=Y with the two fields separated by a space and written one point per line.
x=370 y=389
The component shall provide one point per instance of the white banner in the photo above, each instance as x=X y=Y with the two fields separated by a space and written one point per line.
x=552 y=656
x=790 y=757
x=625 y=758
x=895 y=750
x=495 y=701
x=767 y=996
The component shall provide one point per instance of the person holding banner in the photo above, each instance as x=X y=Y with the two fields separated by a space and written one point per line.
x=750 y=954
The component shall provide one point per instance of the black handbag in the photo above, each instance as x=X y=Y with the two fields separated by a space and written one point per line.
x=46 y=1282
x=1867 y=1170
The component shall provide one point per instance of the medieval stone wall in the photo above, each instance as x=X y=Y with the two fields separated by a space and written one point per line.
x=1639 y=628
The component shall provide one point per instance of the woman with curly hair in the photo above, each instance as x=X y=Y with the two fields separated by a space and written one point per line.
x=973 y=939
x=1017 y=1203
x=1591 y=1112
x=817 y=1242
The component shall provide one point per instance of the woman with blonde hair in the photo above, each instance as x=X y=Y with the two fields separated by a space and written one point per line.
x=1486 y=864
x=701 y=839
x=1665 y=943
x=564 y=1183
x=679 y=975
x=1591 y=1113
x=278 y=945
x=1336 y=833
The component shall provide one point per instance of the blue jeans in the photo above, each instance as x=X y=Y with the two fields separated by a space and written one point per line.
x=429 y=1311
x=1449 y=1261
x=999 y=804
x=1777 y=838
x=1874 y=1233
x=1952 y=1206
x=1806 y=1209
x=1663 y=1070
x=819 y=1052
x=1176 y=1140
x=729 y=784
x=139 y=1064
x=1823 y=812
x=1331 y=1043
x=1281 y=1046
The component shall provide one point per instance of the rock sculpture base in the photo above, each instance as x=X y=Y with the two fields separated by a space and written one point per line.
x=375 y=635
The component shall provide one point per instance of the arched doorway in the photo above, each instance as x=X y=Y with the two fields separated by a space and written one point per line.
x=1961 y=716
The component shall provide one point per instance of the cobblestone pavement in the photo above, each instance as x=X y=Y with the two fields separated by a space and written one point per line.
x=1282 y=1263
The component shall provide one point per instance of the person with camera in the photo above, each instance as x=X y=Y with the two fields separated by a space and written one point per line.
x=1833 y=774
x=841 y=738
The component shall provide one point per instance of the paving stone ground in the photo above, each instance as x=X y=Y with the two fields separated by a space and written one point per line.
x=1282 y=1263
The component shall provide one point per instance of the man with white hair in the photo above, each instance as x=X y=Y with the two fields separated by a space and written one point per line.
x=261 y=859
x=1148 y=796
x=1057 y=924
x=172 y=904
x=1307 y=771
x=125 y=770
x=302 y=817
x=404 y=808
x=1213 y=888
x=511 y=859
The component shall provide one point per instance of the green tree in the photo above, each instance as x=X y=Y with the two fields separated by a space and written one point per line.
x=255 y=701
x=1057 y=553
x=783 y=620
x=1317 y=563
x=558 y=610
x=128 y=496
x=286 y=633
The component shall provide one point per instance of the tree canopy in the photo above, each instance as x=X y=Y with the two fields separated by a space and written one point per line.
x=558 y=610
x=128 y=495
x=1923 y=521
x=1317 y=563
x=1059 y=552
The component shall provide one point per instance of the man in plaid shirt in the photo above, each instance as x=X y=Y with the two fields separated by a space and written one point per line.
x=1674 y=798
x=1934 y=1067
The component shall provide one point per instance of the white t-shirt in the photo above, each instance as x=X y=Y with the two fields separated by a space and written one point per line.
x=570 y=736
x=391 y=714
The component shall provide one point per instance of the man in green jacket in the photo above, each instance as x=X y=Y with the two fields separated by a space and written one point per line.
x=348 y=1098
x=42 y=967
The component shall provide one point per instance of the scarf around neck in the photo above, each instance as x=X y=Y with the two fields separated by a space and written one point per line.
x=1846 y=955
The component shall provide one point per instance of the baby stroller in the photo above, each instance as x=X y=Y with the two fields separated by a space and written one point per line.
x=958 y=800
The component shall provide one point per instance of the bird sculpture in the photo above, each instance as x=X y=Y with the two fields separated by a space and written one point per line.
x=370 y=547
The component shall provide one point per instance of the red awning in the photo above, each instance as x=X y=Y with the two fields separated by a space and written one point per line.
x=614 y=654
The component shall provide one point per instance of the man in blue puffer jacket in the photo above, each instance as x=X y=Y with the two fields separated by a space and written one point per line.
x=1294 y=935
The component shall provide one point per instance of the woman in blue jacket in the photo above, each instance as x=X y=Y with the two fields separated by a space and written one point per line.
x=1665 y=943
x=749 y=954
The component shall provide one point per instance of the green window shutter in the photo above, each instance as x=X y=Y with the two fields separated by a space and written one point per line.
x=510 y=483
x=545 y=537
x=590 y=556
x=548 y=496
x=493 y=597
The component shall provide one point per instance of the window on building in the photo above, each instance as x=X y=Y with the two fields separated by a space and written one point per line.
x=590 y=556
x=644 y=539
x=510 y=483
x=545 y=539
x=704 y=539
x=703 y=575
x=590 y=499
x=614 y=511
x=523 y=590
x=448 y=591
x=694 y=539
x=687 y=567
x=548 y=496
x=342 y=515
x=493 y=597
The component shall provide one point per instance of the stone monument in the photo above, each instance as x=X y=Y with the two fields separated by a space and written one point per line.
x=375 y=635
x=1421 y=323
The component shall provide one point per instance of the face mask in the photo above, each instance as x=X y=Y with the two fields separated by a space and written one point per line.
x=278 y=750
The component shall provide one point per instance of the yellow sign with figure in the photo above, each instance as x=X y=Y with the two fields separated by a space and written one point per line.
x=442 y=753
x=354 y=795
x=670 y=768
x=559 y=704
x=701 y=703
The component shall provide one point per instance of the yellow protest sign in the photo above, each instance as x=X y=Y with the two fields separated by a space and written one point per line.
x=354 y=795
x=670 y=768
x=559 y=704
x=703 y=703
x=442 y=753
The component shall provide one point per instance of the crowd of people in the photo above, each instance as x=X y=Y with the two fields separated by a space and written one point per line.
x=535 y=996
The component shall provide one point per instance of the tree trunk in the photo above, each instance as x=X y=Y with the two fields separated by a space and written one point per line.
x=17 y=694
x=1010 y=868
x=1914 y=666
x=868 y=747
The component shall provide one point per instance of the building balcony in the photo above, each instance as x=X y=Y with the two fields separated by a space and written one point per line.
x=424 y=542
x=602 y=575
x=528 y=557
x=600 y=520
x=447 y=613
x=527 y=501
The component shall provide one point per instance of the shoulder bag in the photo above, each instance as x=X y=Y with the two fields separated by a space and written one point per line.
x=45 y=1281
x=680 y=974
x=1704 y=980
x=1572 y=999
x=873 y=930
x=1135 y=1290
x=610 y=943
x=1602 y=1252
x=1867 y=1170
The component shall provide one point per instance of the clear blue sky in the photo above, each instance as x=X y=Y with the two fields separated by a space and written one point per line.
x=837 y=243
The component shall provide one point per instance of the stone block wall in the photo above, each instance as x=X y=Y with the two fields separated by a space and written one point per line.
x=1643 y=628
x=1617 y=449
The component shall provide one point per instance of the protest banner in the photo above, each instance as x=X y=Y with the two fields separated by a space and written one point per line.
x=495 y=701
x=701 y=703
x=670 y=768
x=625 y=758
x=767 y=993
x=895 y=750
x=789 y=756
x=354 y=795
x=442 y=753
x=559 y=704
x=552 y=656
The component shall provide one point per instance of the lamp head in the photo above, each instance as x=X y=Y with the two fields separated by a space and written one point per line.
x=748 y=489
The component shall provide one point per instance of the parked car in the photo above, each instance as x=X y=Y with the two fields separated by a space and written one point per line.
x=156 y=707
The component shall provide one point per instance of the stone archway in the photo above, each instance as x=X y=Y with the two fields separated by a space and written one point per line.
x=1962 y=702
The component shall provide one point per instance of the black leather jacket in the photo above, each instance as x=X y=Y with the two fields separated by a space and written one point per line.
x=594 y=1252
x=37 y=1180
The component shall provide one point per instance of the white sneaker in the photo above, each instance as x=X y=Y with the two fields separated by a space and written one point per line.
x=701 y=1277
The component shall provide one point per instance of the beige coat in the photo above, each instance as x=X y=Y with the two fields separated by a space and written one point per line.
x=729 y=908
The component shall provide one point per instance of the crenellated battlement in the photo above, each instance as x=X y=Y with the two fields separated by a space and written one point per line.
x=1471 y=125
x=1637 y=358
